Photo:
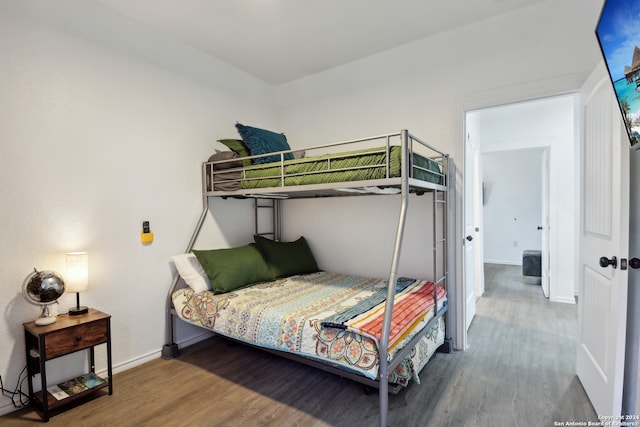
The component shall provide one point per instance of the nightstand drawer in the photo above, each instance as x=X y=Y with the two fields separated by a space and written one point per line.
x=75 y=338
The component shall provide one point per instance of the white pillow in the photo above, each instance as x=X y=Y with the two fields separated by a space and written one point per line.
x=191 y=271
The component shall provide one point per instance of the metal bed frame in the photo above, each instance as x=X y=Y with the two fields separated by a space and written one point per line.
x=406 y=183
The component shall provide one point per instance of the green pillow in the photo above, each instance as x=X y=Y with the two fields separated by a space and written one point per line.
x=233 y=268
x=287 y=258
x=237 y=146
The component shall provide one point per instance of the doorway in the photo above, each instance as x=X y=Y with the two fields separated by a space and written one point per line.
x=513 y=205
x=548 y=127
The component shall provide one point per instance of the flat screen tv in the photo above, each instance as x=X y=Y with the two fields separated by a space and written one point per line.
x=618 y=33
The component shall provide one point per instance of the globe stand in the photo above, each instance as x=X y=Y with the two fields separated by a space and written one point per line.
x=43 y=288
x=46 y=318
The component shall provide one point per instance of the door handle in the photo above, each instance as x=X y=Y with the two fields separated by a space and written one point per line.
x=606 y=262
x=634 y=263
x=469 y=238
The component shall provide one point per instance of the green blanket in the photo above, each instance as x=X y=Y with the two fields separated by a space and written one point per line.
x=350 y=166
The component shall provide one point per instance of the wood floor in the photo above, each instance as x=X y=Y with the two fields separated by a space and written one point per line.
x=518 y=371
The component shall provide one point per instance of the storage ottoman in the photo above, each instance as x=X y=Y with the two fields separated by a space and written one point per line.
x=532 y=263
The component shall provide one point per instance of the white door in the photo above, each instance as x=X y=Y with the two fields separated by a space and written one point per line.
x=544 y=226
x=470 y=161
x=604 y=230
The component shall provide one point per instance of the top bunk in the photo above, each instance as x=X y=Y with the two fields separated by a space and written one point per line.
x=383 y=164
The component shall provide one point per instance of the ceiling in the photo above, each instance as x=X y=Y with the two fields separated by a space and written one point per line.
x=283 y=40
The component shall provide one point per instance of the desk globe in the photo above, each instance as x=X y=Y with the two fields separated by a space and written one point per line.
x=43 y=288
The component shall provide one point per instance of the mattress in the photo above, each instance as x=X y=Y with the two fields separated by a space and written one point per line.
x=318 y=316
x=361 y=165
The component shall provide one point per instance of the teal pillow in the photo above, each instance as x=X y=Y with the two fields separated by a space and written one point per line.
x=287 y=258
x=237 y=146
x=233 y=268
x=262 y=141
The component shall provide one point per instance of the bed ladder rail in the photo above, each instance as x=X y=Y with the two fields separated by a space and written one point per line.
x=440 y=216
x=268 y=206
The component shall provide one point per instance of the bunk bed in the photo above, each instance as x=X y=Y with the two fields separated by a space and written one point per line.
x=397 y=163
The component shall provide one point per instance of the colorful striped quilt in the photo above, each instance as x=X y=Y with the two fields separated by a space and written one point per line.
x=287 y=315
x=412 y=304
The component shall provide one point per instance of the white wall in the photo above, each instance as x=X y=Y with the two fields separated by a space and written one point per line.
x=421 y=86
x=512 y=208
x=425 y=87
x=103 y=124
x=361 y=240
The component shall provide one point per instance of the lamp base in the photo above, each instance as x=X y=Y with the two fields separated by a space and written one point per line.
x=74 y=311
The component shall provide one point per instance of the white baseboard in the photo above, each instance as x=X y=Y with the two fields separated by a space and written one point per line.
x=195 y=339
x=121 y=367
x=494 y=261
x=7 y=409
x=564 y=300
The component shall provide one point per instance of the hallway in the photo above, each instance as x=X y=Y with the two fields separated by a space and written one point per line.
x=519 y=369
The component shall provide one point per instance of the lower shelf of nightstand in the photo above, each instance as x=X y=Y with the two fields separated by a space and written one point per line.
x=53 y=403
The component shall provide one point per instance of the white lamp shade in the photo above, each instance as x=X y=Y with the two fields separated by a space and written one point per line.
x=77 y=278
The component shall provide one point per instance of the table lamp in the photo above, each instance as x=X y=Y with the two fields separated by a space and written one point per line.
x=77 y=279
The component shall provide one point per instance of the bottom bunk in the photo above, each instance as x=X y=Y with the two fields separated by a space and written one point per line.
x=331 y=321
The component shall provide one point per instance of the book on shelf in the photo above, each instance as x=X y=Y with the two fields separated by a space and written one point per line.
x=75 y=385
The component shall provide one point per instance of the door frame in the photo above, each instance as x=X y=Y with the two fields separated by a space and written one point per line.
x=472 y=239
x=544 y=223
x=545 y=88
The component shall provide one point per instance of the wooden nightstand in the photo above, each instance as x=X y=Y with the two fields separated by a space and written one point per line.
x=67 y=335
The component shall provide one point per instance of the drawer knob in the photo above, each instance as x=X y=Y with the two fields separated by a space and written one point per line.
x=78 y=338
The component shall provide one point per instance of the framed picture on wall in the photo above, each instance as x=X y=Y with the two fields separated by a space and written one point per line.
x=618 y=33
